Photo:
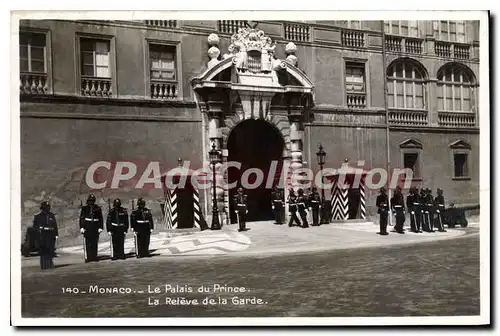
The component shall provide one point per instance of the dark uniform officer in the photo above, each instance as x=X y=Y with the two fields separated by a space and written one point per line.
x=315 y=205
x=383 y=210
x=302 y=206
x=429 y=204
x=45 y=224
x=240 y=204
x=439 y=208
x=292 y=207
x=91 y=225
x=413 y=205
x=277 y=205
x=398 y=207
x=426 y=202
x=422 y=208
x=141 y=221
x=117 y=227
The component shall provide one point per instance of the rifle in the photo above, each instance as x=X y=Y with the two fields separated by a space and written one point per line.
x=135 y=235
x=111 y=236
x=83 y=238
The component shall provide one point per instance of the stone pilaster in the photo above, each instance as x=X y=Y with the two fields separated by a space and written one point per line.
x=431 y=101
x=296 y=151
x=429 y=38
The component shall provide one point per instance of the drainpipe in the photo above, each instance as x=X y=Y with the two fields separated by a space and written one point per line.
x=387 y=136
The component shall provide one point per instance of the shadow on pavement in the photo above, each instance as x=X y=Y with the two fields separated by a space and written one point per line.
x=61 y=265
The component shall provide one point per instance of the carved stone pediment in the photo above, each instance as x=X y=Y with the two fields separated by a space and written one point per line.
x=460 y=144
x=411 y=143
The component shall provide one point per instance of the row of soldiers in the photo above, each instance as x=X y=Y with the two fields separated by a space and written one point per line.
x=91 y=225
x=425 y=210
x=297 y=203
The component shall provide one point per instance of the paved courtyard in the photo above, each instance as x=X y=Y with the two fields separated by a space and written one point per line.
x=434 y=278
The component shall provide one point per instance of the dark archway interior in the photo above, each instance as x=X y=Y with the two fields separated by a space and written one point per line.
x=255 y=144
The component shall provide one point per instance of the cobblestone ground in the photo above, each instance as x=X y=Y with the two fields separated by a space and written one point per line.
x=437 y=278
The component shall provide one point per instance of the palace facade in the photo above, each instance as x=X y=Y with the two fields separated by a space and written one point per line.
x=403 y=92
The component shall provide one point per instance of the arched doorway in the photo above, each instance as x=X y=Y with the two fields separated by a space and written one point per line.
x=255 y=144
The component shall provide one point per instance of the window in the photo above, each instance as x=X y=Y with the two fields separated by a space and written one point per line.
x=452 y=31
x=460 y=150
x=405 y=86
x=32 y=52
x=95 y=58
x=162 y=59
x=411 y=161
x=355 y=77
x=460 y=165
x=411 y=151
x=455 y=89
x=355 y=84
x=405 y=28
x=354 y=24
x=164 y=76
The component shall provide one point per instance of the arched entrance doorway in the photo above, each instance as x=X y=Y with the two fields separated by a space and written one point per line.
x=255 y=144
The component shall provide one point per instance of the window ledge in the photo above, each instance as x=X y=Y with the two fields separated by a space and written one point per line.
x=404 y=36
x=461 y=178
x=456 y=112
x=402 y=109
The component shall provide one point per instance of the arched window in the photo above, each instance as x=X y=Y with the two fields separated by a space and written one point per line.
x=405 y=86
x=455 y=89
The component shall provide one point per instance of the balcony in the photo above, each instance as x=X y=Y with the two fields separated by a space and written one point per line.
x=296 y=32
x=356 y=100
x=452 y=50
x=394 y=43
x=162 y=23
x=163 y=90
x=461 y=51
x=33 y=84
x=352 y=38
x=409 y=45
x=413 y=45
x=96 y=87
x=454 y=119
x=443 y=49
x=231 y=26
x=408 y=118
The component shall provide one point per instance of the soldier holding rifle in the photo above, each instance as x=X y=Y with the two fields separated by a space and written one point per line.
x=398 y=207
x=427 y=203
x=315 y=205
x=240 y=204
x=439 y=204
x=302 y=206
x=277 y=205
x=414 y=207
x=383 y=210
x=91 y=225
x=292 y=207
x=141 y=221
x=117 y=225
x=45 y=223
